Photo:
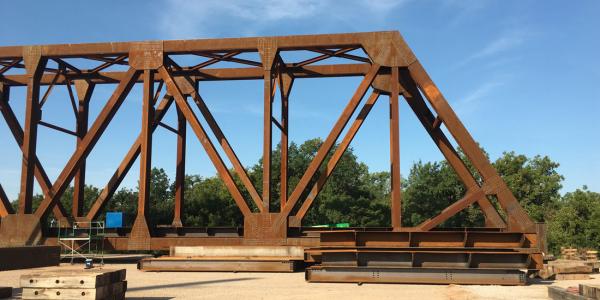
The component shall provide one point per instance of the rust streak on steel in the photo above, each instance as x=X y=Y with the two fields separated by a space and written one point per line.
x=180 y=170
x=395 y=178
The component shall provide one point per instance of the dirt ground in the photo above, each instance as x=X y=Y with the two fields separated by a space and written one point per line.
x=168 y=285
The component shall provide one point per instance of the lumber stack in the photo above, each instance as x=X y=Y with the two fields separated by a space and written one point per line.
x=569 y=253
x=591 y=255
x=590 y=291
x=227 y=259
x=584 y=292
x=566 y=270
x=75 y=284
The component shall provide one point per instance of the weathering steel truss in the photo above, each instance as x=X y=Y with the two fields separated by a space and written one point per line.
x=389 y=67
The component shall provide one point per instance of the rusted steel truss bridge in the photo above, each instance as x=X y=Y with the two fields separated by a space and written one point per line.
x=387 y=67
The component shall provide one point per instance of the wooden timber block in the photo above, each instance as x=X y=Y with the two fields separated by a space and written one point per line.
x=5 y=292
x=594 y=264
x=546 y=272
x=112 y=291
x=572 y=276
x=572 y=269
x=558 y=293
x=70 y=279
x=590 y=291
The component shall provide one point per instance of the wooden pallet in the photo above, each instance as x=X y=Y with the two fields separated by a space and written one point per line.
x=75 y=284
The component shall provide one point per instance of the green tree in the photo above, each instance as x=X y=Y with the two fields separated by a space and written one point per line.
x=430 y=188
x=535 y=182
x=577 y=222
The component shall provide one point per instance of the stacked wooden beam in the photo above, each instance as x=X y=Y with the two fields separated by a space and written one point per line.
x=566 y=270
x=584 y=292
x=227 y=259
x=569 y=253
x=591 y=255
x=75 y=284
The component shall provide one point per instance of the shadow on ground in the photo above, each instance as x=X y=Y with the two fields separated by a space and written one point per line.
x=150 y=298
x=183 y=284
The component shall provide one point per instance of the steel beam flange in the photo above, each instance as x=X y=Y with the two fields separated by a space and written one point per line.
x=388 y=49
x=32 y=56
x=267 y=48
x=382 y=84
x=146 y=55
x=184 y=85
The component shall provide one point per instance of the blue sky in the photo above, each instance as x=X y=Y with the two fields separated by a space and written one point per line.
x=523 y=76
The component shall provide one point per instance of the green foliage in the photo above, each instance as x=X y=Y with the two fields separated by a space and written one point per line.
x=577 y=222
x=430 y=188
x=356 y=196
x=535 y=182
x=351 y=195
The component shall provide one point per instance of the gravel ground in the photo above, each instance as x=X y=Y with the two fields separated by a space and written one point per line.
x=168 y=285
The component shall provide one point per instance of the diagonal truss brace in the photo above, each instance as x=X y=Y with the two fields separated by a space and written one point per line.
x=325 y=148
x=204 y=140
x=88 y=142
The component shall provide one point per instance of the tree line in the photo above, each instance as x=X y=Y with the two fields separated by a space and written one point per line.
x=357 y=196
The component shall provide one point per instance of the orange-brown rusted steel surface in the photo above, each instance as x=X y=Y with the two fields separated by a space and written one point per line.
x=388 y=68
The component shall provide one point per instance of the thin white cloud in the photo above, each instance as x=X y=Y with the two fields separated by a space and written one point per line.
x=501 y=44
x=180 y=19
x=462 y=10
x=481 y=91
x=472 y=100
x=505 y=42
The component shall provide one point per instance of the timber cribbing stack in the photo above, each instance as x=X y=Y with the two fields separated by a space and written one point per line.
x=75 y=284
x=424 y=257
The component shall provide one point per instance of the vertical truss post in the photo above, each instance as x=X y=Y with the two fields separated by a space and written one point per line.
x=140 y=230
x=268 y=51
x=396 y=205
x=84 y=93
x=123 y=168
x=325 y=148
x=180 y=169
x=146 y=56
x=34 y=63
x=18 y=134
x=285 y=83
